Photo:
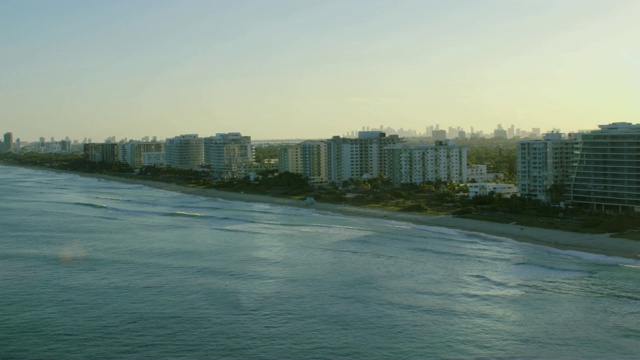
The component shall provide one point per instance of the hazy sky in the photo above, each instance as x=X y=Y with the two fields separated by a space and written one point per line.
x=313 y=69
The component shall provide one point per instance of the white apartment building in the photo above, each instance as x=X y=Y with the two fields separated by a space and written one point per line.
x=478 y=173
x=184 y=151
x=543 y=163
x=131 y=152
x=252 y=170
x=361 y=158
x=154 y=159
x=308 y=158
x=418 y=164
x=226 y=153
x=607 y=171
x=507 y=190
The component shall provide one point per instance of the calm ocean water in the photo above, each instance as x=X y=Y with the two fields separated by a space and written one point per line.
x=92 y=268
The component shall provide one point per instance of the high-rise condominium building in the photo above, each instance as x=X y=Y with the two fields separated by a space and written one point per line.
x=308 y=158
x=101 y=152
x=290 y=159
x=544 y=166
x=417 y=164
x=360 y=158
x=439 y=135
x=65 y=145
x=7 y=144
x=184 y=151
x=500 y=133
x=607 y=172
x=226 y=153
x=132 y=152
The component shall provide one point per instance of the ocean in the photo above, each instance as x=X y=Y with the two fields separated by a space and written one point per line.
x=98 y=269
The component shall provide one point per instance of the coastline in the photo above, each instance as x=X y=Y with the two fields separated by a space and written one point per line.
x=590 y=243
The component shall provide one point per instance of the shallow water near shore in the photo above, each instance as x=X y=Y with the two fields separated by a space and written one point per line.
x=93 y=268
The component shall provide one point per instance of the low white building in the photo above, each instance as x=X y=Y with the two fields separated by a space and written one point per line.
x=507 y=190
x=478 y=173
x=253 y=169
x=153 y=159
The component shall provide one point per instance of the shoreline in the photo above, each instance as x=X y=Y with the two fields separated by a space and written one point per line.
x=601 y=244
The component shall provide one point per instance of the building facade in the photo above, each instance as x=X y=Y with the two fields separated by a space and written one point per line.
x=478 y=173
x=102 y=152
x=607 y=171
x=7 y=144
x=439 y=135
x=156 y=159
x=444 y=161
x=132 y=152
x=290 y=159
x=184 y=151
x=253 y=170
x=308 y=158
x=226 y=153
x=360 y=158
x=506 y=190
x=544 y=166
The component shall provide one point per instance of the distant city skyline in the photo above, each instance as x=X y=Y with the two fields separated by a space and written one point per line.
x=509 y=132
x=313 y=69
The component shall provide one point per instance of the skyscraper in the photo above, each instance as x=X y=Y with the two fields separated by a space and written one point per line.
x=8 y=142
x=439 y=135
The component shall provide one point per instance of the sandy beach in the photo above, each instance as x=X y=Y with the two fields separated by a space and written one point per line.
x=591 y=243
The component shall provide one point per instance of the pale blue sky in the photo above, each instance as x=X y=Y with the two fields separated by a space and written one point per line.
x=313 y=69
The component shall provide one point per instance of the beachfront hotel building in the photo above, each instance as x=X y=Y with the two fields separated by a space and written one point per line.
x=132 y=152
x=308 y=158
x=444 y=161
x=226 y=153
x=101 y=152
x=543 y=164
x=184 y=151
x=359 y=158
x=606 y=176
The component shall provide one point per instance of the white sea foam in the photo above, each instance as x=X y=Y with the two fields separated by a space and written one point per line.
x=599 y=258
